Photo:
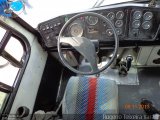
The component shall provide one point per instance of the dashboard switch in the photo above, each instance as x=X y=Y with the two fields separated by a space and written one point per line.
x=135 y=32
x=109 y=32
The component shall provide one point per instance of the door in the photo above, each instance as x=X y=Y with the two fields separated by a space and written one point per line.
x=22 y=61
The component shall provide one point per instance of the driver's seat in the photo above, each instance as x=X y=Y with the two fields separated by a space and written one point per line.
x=89 y=98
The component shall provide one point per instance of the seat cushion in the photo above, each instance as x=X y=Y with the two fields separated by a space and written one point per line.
x=89 y=98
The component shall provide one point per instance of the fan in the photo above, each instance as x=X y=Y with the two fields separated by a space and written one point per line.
x=4 y=6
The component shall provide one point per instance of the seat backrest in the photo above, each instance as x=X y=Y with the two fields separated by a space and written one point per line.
x=89 y=98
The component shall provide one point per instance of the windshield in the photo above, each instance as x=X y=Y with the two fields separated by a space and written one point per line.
x=44 y=10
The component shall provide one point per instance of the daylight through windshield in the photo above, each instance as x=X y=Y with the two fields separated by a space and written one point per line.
x=43 y=10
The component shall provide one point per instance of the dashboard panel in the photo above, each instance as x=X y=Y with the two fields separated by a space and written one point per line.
x=135 y=22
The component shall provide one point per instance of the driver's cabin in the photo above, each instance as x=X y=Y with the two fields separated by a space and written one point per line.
x=79 y=60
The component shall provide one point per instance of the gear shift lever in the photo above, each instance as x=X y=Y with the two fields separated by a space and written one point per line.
x=129 y=60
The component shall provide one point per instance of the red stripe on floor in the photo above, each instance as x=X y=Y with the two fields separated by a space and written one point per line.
x=91 y=98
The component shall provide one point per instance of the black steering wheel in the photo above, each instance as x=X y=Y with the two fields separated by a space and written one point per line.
x=85 y=47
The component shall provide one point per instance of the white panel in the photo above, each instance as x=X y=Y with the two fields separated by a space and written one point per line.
x=27 y=91
x=153 y=56
x=28 y=88
x=143 y=55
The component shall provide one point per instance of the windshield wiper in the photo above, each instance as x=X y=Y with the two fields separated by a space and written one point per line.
x=100 y=2
x=97 y=4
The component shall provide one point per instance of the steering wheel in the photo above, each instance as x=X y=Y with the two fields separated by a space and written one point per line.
x=85 y=47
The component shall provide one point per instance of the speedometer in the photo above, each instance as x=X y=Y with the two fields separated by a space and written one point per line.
x=92 y=20
x=76 y=30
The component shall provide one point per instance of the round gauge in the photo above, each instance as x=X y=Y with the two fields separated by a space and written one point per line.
x=146 y=25
x=118 y=31
x=111 y=15
x=119 y=23
x=92 y=20
x=76 y=30
x=148 y=16
x=137 y=15
x=136 y=24
x=120 y=15
x=109 y=32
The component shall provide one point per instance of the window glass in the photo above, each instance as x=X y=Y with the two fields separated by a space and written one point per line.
x=2 y=32
x=14 y=48
x=2 y=99
x=53 y=8
x=3 y=62
x=9 y=72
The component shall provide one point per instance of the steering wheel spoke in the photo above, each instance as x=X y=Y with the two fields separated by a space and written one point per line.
x=85 y=47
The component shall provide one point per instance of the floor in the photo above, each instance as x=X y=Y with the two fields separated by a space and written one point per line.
x=46 y=97
x=130 y=95
x=149 y=87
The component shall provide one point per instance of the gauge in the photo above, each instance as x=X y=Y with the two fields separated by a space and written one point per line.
x=119 y=23
x=118 y=31
x=111 y=15
x=146 y=25
x=120 y=15
x=92 y=20
x=136 y=24
x=148 y=16
x=137 y=15
x=109 y=32
x=76 y=30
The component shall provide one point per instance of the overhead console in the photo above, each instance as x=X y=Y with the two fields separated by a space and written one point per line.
x=133 y=22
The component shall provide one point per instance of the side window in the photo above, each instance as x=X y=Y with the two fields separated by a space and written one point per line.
x=14 y=50
x=9 y=72
x=2 y=32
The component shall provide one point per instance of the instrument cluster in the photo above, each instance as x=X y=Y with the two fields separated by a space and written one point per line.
x=146 y=22
x=118 y=18
x=141 y=24
x=95 y=28
x=131 y=23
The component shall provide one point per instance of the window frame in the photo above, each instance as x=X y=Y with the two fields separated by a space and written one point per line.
x=12 y=91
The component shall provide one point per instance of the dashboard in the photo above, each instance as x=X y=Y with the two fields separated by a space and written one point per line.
x=133 y=22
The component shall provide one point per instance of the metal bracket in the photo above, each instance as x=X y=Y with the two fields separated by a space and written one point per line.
x=123 y=68
x=152 y=3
